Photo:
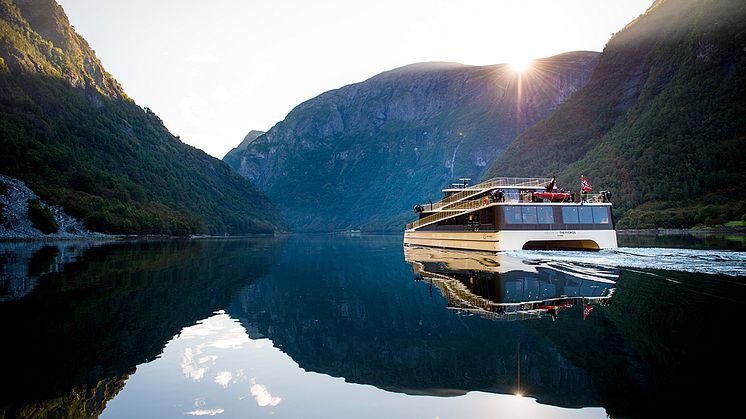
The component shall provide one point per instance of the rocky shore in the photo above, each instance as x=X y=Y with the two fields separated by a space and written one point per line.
x=15 y=222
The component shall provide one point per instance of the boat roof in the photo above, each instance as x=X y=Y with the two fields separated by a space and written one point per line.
x=504 y=182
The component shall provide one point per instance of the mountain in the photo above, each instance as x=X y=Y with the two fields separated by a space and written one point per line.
x=233 y=157
x=661 y=122
x=361 y=156
x=68 y=130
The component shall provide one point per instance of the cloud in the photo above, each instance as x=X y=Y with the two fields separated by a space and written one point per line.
x=262 y=395
x=224 y=378
x=207 y=358
x=206 y=412
x=190 y=368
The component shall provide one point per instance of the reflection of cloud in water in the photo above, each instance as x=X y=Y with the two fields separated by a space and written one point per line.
x=216 y=332
x=262 y=395
x=190 y=368
x=206 y=412
x=228 y=333
x=208 y=358
x=224 y=378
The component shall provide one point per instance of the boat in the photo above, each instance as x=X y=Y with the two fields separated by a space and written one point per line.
x=507 y=214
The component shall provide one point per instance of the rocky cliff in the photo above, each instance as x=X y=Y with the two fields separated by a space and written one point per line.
x=233 y=157
x=661 y=122
x=361 y=156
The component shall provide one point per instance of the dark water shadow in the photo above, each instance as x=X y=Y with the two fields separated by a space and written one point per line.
x=73 y=340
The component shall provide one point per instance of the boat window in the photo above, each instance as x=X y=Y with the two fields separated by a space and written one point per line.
x=529 y=215
x=586 y=215
x=601 y=215
x=545 y=215
x=570 y=215
x=513 y=215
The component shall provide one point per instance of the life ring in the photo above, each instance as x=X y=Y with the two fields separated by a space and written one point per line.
x=485 y=201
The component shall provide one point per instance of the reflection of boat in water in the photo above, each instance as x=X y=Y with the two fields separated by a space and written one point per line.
x=512 y=214
x=502 y=287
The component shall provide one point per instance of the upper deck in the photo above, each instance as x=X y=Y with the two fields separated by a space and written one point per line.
x=496 y=191
x=458 y=194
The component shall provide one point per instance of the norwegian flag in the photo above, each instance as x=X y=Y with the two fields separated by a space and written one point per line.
x=584 y=184
x=587 y=311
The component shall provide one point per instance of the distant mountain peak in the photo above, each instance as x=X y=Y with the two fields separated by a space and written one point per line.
x=232 y=157
x=427 y=66
x=361 y=155
x=249 y=138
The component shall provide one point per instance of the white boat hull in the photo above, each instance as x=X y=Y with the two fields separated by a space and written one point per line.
x=514 y=240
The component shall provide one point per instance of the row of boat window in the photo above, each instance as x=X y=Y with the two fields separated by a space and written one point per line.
x=530 y=214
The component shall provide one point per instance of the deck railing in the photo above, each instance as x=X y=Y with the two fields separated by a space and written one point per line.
x=449 y=212
x=504 y=182
x=593 y=198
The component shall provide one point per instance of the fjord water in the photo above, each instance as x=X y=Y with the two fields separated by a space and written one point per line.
x=337 y=326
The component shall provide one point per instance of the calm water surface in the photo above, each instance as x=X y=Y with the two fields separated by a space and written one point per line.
x=340 y=327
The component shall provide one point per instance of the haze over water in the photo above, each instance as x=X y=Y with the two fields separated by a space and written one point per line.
x=336 y=326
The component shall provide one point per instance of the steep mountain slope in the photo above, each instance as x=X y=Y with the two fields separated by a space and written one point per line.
x=661 y=123
x=233 y=157
x=361 y=156
x=68 y=131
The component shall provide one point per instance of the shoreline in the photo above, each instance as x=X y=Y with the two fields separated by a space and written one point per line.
x=128 y=237
x=684 y=231
x=738 y=231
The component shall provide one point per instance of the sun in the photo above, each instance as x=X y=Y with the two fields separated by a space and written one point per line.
x=520 y=65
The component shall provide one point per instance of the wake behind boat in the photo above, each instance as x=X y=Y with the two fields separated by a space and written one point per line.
x=513 y=214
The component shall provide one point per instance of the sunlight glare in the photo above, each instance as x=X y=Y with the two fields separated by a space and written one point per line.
x=520 y=65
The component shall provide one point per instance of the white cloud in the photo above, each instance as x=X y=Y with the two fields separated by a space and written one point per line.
x=190 y=368
x=208 y=358
x=216 y=332
x=262 y=395
x=206 y=412
x=224 y=378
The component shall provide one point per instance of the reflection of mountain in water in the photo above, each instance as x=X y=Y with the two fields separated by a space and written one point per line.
x=22 y=263
x=73 y=339
x=502 y=287
x=349 y=308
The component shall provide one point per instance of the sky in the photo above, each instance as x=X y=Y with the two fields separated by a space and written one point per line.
x=215 y=69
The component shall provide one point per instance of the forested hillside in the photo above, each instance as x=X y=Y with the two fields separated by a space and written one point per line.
x=662 y=123
x=68 y=131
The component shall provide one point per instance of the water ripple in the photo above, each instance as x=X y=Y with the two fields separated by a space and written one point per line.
x=686 y=260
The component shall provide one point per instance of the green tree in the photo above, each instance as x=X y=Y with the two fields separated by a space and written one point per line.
x=42 y=217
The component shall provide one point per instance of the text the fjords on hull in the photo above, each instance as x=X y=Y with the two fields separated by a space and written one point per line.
x=512 y=214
